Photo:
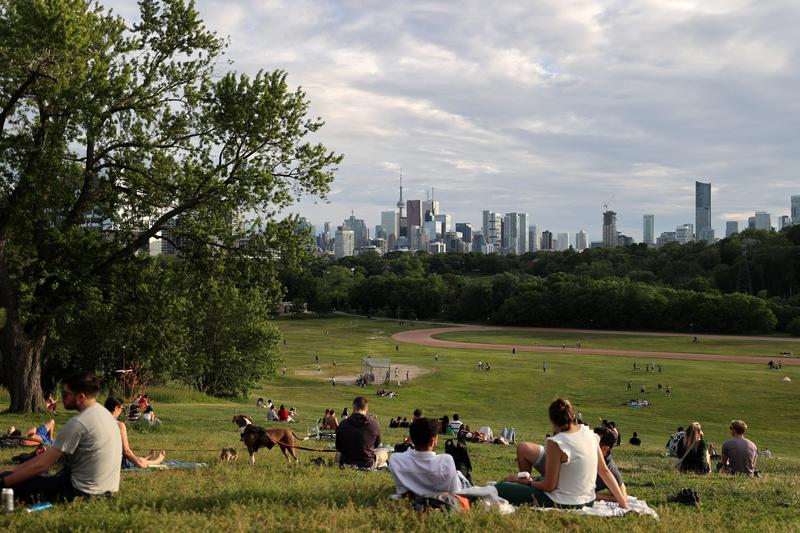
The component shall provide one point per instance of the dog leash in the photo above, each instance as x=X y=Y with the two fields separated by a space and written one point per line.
x=298 y=447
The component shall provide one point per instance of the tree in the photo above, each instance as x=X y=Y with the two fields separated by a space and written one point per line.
x=113 y=134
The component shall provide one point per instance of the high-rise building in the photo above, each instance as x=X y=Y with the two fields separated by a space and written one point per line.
x=465 y=229
x=731 y=228
x=414 y=213
x=648 y=234
x=547 y=240
x=762 y=220
x=702 y=212
x=684 y=233
x=515 y=233
x=563 y=241
x=523 y=243
x=444 y=223
x=345 y=242
x=666 y=238
x=390 y=222
x=360 y=231
x=796 y=209
x=533 y=238
x=609 y=229
x=784 y=221
x=581 y=240
x=492 y=227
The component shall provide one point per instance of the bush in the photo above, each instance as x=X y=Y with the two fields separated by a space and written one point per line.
x=793 y=327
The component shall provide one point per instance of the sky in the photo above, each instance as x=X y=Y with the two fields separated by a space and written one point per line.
x=550 y=107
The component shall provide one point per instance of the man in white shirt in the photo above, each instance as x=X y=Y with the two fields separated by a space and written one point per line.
x=420 y=471
x=456 y=424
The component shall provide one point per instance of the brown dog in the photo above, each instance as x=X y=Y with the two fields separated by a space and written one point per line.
x=228 y=454
x=255 y=437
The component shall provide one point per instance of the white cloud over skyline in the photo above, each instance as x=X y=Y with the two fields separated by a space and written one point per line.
x=550 y=107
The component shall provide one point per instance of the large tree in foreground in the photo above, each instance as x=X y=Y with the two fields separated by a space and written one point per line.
x=111 y=132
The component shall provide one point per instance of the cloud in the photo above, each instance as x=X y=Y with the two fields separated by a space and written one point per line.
x=550 y=108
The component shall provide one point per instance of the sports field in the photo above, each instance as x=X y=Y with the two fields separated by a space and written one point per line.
x=516 y=392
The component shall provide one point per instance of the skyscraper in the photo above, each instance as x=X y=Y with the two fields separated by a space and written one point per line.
x=360 y=231
x=547 y=240
x=563 y=241
x=648 y=233
x=796 y=209
x=465 y=229
x=345 y=242
x=702 y=212
x=390 y=222
x=533 y=238
x=762 y=220
x=609 y=229
x=731 y=228
x=581 y=239
x=784 y=221
x=684 y=233
x=413 y=213
x=492 y=223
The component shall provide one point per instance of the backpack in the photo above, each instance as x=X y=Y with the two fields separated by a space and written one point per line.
x=672 y=444
x=460 y=457
x=450 y=503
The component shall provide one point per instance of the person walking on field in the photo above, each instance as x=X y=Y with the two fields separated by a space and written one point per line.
x=629 y=386
x=642 y=389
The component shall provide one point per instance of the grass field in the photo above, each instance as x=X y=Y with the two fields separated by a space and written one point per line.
x=272 y=495
x=603 y=341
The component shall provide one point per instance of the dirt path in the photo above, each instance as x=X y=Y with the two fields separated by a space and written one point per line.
x=349 y=379
x=425 y=338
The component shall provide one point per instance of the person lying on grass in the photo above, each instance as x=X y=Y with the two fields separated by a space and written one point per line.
x=42 y=434
x=130 y=459
x=91 y=444
x=420 y=470
x=573 y=461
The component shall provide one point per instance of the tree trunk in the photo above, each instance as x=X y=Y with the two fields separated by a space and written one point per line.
x=22 y=366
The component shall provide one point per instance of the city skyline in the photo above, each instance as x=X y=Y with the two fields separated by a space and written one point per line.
x=551 y=108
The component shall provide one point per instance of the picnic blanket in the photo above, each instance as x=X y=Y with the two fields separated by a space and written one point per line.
x=609 y=509
x=168 y=465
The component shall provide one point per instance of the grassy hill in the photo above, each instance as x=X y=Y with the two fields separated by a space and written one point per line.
x=272 y=495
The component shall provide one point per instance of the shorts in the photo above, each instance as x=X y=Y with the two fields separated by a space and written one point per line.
x=41 y=432
x=519 y=494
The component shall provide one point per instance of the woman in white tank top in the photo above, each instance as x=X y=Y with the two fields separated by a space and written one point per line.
x=573 y=460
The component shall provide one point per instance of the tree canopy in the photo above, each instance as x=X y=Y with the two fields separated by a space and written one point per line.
x=115 y=133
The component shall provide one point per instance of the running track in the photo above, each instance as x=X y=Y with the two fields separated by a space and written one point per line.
x=425 y=338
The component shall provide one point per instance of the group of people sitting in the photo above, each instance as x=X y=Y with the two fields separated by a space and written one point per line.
x=140 y=409
x=329 y=420
x=695 y=455
x=94 y=443
x=383 y=393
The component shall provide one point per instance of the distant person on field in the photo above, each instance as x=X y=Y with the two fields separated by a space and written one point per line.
x=52 y=404
x=419 y=470
x=90 y=442
x=672 y=443
x=456 y=424
x=272 y=416
x=635 y=440
x=358 y=439
x=260 y=403
x=693 y=451
x=573 y=461
x=130 y=459
x=150 y=416
x=418 y=415
x=739 y=454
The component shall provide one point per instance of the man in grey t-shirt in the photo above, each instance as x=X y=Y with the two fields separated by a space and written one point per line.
x=738 y=453
x=90 y=442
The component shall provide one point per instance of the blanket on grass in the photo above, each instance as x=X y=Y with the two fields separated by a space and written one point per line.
x=608 y=509
x=168 y=465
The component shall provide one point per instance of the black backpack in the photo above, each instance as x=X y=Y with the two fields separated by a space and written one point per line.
x=460 y=456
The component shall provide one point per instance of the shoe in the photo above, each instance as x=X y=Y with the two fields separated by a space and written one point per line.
x=687 y=496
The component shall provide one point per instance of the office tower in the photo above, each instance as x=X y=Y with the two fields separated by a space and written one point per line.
x=609 y=229
x=563 y=242
x=522 y=230
x=360 y=231
x=666 y=238
x=465 y=229
x=510 y=233
x=444 y=223
x=731 y=228
x=431 y=206
x=702 y=212
x=413 y=213
x=345 y=242
x=684 y=233
x=390 y=222
x=581 y=238
x=492 y=227
x=784 y=221
x=533 y=238
x=547 y=240
x=432 y=229
x=762 y=220
x=796 y=209
x=648 y=233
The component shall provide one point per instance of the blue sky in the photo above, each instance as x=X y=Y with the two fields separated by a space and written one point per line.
x=550 y=107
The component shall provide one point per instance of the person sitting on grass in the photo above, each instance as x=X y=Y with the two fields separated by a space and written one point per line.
x=419 y=470
x=90 y=441
x=693 y=451
x=260 y=403
x=283 y=414
x=674 y=440
x=130 y=459
x=607 y=440
x=150 y=416
x=52 y=404
x=573 y=461
x=455 y=424
x=635 y=440
x=330 y=421
x=272 y=416
x=739 y=454
x=358 y=439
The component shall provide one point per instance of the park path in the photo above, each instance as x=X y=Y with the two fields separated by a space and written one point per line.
x=425 y=338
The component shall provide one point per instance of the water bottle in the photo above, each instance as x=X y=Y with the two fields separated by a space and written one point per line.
x=8 y=500
x=39 y=507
